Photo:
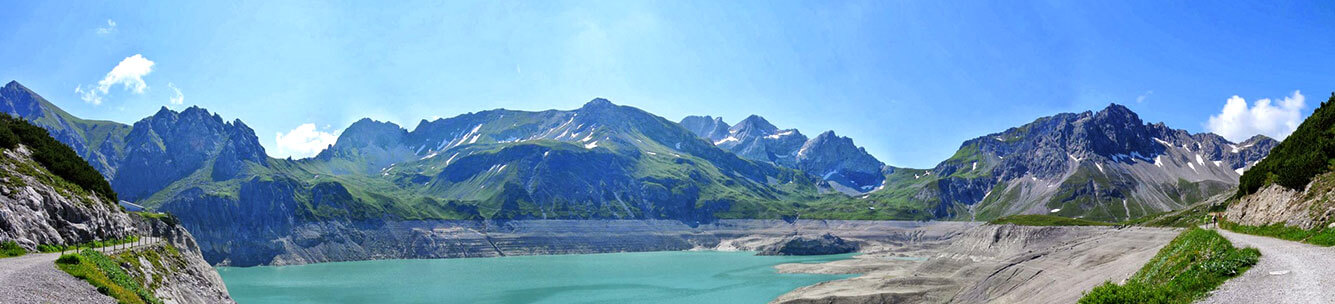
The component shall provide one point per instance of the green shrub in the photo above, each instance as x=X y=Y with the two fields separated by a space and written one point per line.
x=1307 y=152
x=11 y=249
x=1193 y=264
x=7 y=138
x=55 y=156
x=68 y=259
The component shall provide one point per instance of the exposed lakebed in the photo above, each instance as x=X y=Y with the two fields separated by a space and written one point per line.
x=646 y=277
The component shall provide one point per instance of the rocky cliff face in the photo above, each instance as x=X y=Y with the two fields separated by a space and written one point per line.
x=1312 y=208
x=33 y=212
x=37 y=208
x=180 y=273
x=843 y=165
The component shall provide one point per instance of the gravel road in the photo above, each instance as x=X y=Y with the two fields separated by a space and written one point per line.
x=1289 y=272
x=33 y=278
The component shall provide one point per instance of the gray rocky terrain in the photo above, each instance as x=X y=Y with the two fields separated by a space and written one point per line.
x=33 y=212
x=986 y=264
x=1274 y=204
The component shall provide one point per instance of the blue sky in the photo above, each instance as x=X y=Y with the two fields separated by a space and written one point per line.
x=908 y=80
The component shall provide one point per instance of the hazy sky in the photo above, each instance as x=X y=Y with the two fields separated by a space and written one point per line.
x=908 y=80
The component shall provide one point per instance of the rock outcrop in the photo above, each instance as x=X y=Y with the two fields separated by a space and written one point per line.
x=33 y=212
x=180 y=273
x=1314 y=207
x=811 y=245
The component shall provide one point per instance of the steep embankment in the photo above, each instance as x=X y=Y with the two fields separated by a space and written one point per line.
x=41 y=207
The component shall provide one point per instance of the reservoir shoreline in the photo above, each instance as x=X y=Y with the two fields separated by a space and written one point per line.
x=898 y=261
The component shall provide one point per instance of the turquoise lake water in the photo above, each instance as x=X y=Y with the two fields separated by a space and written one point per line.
x=646 y=277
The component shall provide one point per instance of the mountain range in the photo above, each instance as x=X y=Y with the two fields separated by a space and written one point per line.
x=835 y=159
x=608 y=161
x=1106 y=165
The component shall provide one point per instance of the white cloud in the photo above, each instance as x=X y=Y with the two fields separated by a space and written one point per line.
x=178 y=98
x=110 y=28
x=129 y=73
x=90 y=95
x=304 y=141
x=1237 y=121
x=1142 y=97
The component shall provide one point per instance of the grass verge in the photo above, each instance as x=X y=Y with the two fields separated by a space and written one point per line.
x=107 y=275
x=1046 y=220
x=93 y=244
x=1320 y=237
x=1193 y=264
x=11 y=249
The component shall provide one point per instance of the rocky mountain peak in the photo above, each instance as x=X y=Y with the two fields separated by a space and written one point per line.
x=15 y=86
x=838 y=160
x=599 y=103
x=1120 y=115
x=1259 y=139
x=828 y=135
x=754 y=125
x=369 y=132
x=19 y=101
x=708 y=127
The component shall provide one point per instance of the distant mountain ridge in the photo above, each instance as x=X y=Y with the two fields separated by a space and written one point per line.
x=847 y=167
x=1106 y=165
x=141 y=159
x=607 y=161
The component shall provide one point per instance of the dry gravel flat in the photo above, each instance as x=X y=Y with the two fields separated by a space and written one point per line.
x=33 y=278
x=1289 y=272
x=986 y=264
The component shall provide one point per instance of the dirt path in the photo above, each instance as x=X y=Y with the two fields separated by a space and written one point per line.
x=1289 y=272
x=33 y=278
